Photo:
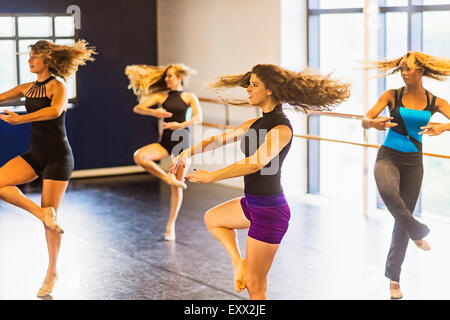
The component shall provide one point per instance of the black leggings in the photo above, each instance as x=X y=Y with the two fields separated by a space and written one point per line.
x=399 y=177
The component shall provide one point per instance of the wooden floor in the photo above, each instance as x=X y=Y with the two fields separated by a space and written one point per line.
x=113 y=249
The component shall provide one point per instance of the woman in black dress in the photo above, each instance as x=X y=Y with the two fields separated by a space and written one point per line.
x=50 y=155
x=161 y=95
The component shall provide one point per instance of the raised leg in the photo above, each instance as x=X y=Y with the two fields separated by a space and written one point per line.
x=146 y=157
x=16 y=172
x=221 y=222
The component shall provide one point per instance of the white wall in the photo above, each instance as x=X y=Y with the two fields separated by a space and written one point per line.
x=218 y=37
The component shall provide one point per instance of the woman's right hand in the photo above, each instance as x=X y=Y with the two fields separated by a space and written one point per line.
x=162 y=113
x=179 y=160
x=381 y=123
x=10 y=117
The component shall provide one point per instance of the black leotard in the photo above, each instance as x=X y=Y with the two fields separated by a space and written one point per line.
x=50 y=154
x=265 y=182
x=171 y=138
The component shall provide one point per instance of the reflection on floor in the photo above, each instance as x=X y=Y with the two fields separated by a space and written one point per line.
x=113 y=249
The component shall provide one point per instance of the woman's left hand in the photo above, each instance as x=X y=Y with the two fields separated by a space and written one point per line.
x=172 y=125
x=433 y=129
x=200 y=176
x=10 y=117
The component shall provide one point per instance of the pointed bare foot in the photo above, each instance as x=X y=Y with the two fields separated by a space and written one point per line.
x=172 y=180
x=50 y=220
x=394 y=288
x=47 y=285
x=170 y=234
x=422 y=244
x=239 y=275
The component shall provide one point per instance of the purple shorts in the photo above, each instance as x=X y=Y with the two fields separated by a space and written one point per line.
x=269 y=217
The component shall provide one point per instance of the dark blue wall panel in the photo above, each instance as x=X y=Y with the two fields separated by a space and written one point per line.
x=102 y=128
x=13 y=140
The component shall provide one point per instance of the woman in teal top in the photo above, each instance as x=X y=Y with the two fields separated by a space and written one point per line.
x=399 y=168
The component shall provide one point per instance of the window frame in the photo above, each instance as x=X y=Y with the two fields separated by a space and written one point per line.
x=414 y=10
x=16 y=38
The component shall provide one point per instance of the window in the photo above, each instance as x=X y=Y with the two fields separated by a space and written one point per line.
x=17 y=32
x=437 y=170
x=343 y=64
x=336 y=44
x=333 y=4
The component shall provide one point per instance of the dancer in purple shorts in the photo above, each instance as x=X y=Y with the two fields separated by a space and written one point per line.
x=265 y=141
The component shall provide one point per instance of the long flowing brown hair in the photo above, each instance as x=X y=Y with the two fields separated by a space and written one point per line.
x=433 y=67
x=302 y=90
x=63 y=60
x=146 y=79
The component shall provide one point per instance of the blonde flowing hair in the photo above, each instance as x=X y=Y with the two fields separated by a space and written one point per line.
x=145 y=79
x=433 y=67
x=302 y=90
x=63 y=60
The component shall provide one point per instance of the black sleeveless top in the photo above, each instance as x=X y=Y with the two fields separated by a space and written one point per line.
x=267 y=180
x=176 y=106
x=35 y=99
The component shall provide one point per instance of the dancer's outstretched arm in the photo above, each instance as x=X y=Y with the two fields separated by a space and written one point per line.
x=14 y=93
x=58 y=105
x=437 y=129
x=371 y=119
x=211 y=143
x=143 y=107
x=275 y=140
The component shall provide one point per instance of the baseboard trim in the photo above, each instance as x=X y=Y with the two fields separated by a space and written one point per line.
x=116 y=171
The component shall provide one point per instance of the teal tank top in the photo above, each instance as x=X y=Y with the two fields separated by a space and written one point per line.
x=405 y=136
